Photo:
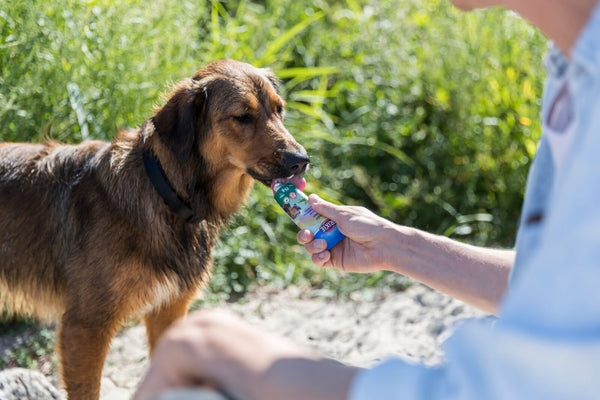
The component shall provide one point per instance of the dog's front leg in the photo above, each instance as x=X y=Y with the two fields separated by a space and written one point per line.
x=82 y=347
x=159 y=319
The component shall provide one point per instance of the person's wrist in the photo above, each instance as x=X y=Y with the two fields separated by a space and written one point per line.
x=304 y=377
x=396 y=242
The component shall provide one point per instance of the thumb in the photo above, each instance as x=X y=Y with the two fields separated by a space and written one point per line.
x=323 y=207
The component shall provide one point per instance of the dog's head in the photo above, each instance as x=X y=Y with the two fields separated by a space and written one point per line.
x=232 y=114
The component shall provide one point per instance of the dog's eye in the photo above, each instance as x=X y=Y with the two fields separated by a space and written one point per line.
x=244 y=119
x=280 y=111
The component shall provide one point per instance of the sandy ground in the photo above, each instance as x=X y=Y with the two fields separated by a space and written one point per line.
x=361 y=329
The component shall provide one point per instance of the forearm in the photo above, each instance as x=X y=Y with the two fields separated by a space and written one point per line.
x=305 y=378
x=476 y=275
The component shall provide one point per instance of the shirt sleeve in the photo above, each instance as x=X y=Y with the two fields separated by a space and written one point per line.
x=395 y=380
x=485 y=362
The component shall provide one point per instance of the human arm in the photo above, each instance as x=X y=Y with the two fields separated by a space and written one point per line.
x=217 y=349
x=547 y=343
x=476 y=275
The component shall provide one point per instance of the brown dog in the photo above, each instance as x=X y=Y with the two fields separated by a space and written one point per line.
x=99 y=232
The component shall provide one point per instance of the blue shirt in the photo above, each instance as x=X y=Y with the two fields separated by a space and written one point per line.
x=546 y=345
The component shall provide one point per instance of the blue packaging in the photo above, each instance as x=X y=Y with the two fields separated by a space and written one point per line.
x=295 y=204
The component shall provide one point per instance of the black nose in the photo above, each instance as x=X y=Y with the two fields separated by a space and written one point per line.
x=296 y=163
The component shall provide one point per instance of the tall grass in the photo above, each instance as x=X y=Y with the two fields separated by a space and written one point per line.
x=419 y=112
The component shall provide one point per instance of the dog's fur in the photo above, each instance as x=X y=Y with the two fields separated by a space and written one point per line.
x=86 y=238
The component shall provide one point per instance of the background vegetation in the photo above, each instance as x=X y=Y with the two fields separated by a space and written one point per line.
x=424 y=114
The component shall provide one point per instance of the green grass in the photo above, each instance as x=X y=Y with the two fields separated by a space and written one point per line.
x=36 y=350
x=424 y=114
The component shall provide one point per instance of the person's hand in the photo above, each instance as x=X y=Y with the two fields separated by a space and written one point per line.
x=213 y=349
x=365 y=248
x=219 y=350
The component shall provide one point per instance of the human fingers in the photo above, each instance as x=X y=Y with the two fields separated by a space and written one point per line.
x=164 y=374
x=304 y=236
x=316 y=246
x=177 y=360
x=322 y=259
x=324 y=207
x=154 y=383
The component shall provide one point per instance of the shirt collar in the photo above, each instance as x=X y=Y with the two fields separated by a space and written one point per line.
x=556 y=63
x=586 y=50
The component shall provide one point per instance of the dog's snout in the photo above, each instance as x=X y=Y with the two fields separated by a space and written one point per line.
x=297 y=162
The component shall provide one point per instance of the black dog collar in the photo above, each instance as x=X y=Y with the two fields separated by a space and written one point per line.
x=165 y=189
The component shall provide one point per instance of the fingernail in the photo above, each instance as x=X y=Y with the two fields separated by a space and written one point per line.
x=321 y=244
x=322 y=256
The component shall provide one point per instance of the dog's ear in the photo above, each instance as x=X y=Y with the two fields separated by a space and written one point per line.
x=177 y=120
x=270 y=75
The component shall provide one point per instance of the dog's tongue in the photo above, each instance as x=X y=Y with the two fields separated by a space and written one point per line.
x=296 y=180
x=299 y=182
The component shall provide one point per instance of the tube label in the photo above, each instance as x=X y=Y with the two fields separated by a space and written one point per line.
x=295 y=204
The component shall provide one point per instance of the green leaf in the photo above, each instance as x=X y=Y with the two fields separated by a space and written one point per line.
x=270 y=54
